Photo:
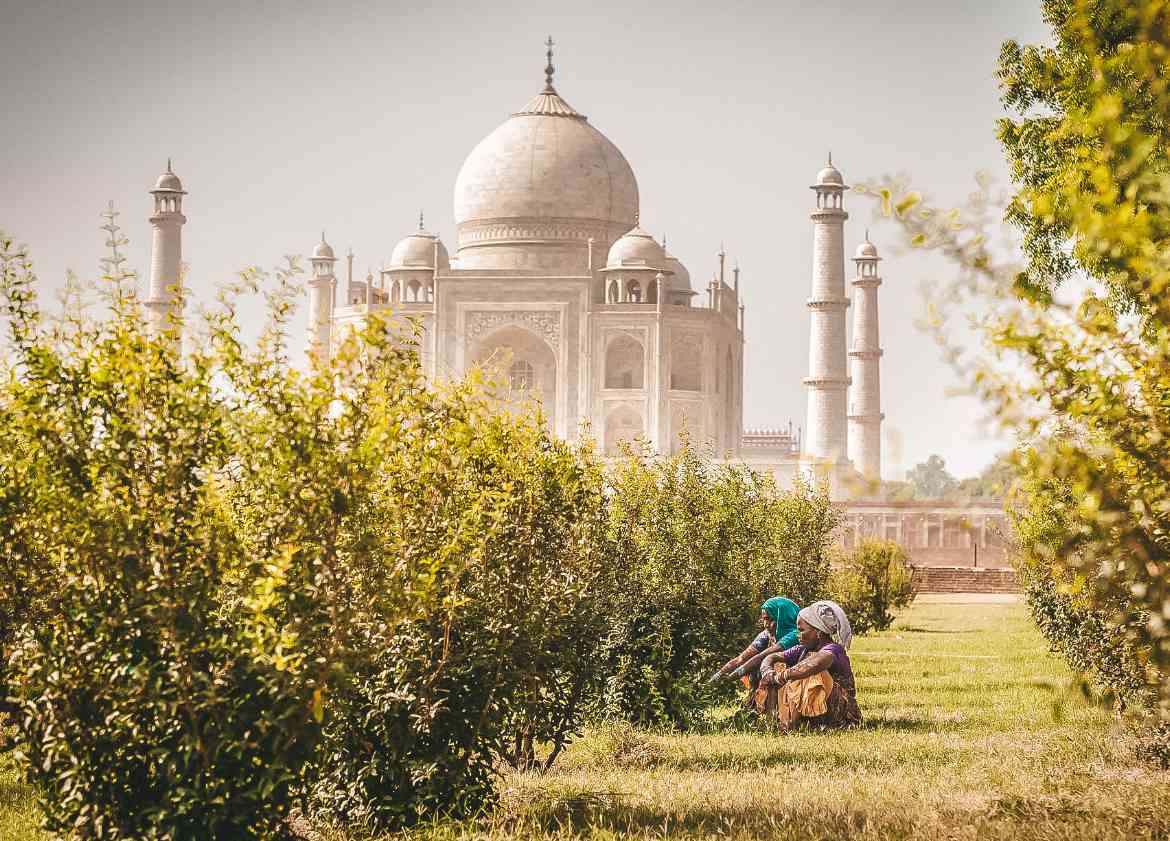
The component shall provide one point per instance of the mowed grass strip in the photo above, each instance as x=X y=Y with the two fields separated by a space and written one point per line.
x=973 y=730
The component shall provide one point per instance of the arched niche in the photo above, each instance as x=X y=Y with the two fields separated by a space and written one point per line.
x=525 y=366
x=623 y=425
x=625 y=363
x=686 y=363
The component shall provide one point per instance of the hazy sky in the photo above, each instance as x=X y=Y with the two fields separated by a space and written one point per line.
x=287 y=118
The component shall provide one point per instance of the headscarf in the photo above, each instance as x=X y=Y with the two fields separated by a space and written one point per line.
x=783 y=612
x=828 y=618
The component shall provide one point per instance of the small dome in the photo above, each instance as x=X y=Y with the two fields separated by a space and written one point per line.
x=867 y=249
x=417 y=251
x=830 y=175
x=323 y=251
x=636 y=248
x=680 y=280
x=169 y=181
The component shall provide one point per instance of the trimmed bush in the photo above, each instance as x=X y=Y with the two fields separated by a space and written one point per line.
x=497 y=667
x=871 y=582
x=699 y=547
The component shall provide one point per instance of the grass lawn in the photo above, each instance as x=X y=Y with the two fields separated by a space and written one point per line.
x=971 y=732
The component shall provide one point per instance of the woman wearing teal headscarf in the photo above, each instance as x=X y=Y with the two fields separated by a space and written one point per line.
x=778 y=619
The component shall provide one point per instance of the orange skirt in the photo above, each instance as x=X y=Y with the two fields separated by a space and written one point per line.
x=814 y=701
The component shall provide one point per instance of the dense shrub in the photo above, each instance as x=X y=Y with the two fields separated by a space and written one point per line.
x=872 y=581
x=1087 y=139
x=204 y=514
x=502 y=663
x=699 y=547
x=1097 y=640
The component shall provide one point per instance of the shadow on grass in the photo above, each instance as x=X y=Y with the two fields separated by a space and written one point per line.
x=911 y=629
x=587 y=812
x=906 y=724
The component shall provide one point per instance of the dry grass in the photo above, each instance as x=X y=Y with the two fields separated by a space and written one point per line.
x=972 y=731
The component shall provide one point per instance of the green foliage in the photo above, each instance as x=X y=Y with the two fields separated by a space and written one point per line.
x=931 y=480
x=215 y=523
x=1088 y=128
x=1081 y=376
x=699 y=547
x=1096 y=639
x=871 y=582
x=145 y=713
x=993 y=482
x=498 y=665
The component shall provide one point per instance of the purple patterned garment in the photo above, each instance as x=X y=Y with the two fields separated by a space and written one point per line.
x=841 y=671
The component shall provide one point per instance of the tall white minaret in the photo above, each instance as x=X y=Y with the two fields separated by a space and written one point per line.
x=828 y=378
x=321 y=293
x=166 y=250
x=865 y=413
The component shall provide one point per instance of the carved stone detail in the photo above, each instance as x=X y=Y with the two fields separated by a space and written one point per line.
x=544 y=323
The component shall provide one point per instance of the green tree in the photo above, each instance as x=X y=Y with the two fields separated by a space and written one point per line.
x=871 y=582
x=700 y=546
x=1081 y=376
x=930 y=479
x=994 y=481
x=207 y=530
x=1059 y=99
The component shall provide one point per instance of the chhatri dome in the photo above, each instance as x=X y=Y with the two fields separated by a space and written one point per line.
x=866 y=250
x=636 y=249
x=830 y=174
x=544 y=178
x=323 y=251
x=169 y=181
x=418 y=251
x=680 y=279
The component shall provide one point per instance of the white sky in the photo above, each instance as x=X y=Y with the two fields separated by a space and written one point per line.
x=286 y=118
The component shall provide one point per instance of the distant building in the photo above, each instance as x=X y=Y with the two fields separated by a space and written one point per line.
x=556 y=283
x=933 y=532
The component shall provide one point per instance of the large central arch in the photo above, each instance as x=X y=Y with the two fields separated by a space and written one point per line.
x=524 y=364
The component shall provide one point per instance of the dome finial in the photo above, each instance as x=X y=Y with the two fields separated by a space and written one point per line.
x=867 y=234
x=169 y=167
x=322 y=235
x=548 y=68
x=420 y=220
x=830 y=157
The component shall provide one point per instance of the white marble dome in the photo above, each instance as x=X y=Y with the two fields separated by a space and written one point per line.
x=866 y=250
x=680 y=280
x=323 y=251
x=546 y=162
x=831 y=175
x=636 y=248
x=168 y=181
x=417 y=251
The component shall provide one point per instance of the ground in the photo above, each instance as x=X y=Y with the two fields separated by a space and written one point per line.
x=973 y=731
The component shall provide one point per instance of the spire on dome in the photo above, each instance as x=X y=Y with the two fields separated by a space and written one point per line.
x=548 y=68
x=548 y=102
x=420 y=220
x=169 y=171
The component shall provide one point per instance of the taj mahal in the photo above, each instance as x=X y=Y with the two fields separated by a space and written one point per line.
x=555 y=282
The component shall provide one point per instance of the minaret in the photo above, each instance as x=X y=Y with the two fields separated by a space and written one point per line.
x=828 y=379
x=321 y=290
x=865 y=415
x=166 y=250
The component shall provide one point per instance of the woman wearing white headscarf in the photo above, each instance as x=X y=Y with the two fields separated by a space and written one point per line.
x=811 y=684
